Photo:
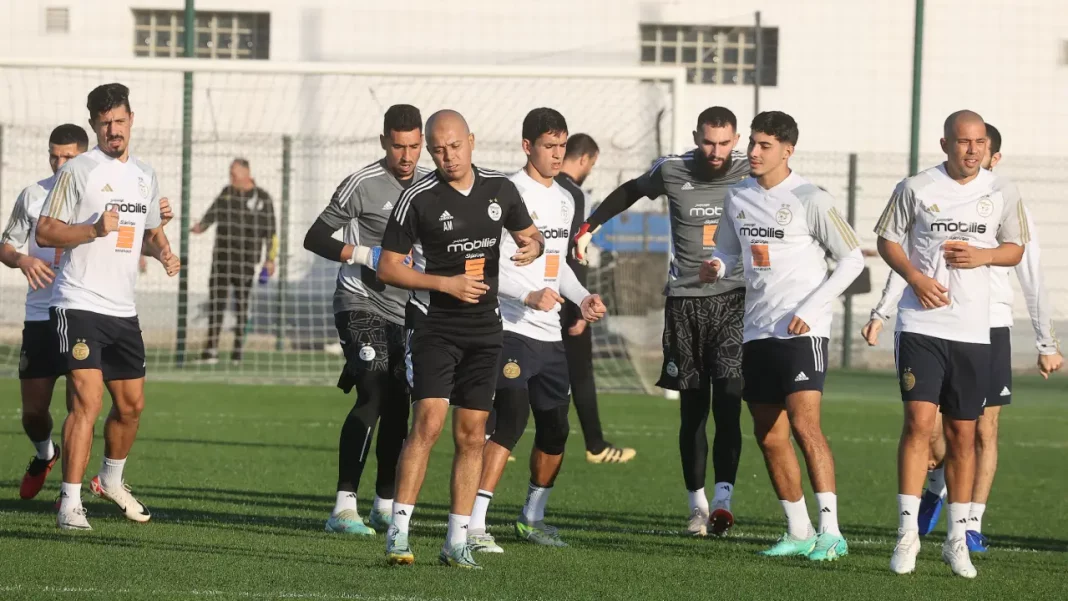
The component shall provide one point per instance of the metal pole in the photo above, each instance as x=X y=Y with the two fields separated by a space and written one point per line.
x=758 y=71
x=917 y=79
x=283 y=243
x=851 y=215
x=187 y=173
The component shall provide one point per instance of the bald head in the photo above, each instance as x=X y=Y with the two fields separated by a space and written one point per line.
x=964 y=141
x=450 y=143
x=961 y=119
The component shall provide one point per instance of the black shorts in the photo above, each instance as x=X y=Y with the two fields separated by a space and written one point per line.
x=954 y=375
x=702 y=339
x=90 y=340
x=448 y=365
x=40 y=356
x=538 y=366
x=774 y=368
x=1000 y=367
x=372 y=345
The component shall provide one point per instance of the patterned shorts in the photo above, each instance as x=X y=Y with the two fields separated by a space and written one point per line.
x=702 y=340
x=372 y=344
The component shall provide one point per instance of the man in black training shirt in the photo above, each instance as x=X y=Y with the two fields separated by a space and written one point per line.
x=582 y=153
x=245 y=224
x=451 y=221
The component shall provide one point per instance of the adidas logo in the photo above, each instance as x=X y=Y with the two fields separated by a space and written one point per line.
x=445 y=216
x=934 y=208
x=351 y=495
x=534 y=215
x=801 y=377
x=1005 y=391
x=825 y=510
x=388 y=206
x=964 y=521
x=687 y=186
x=402 y=512
x=973 y=519
x=906 y=512
x=741 y=215
x=106 y=188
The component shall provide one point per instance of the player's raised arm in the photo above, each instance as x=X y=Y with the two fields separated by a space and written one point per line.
x=649 y=185
x=53 y=227
x=838 y=239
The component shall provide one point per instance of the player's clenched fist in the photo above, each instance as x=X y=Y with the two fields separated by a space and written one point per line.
x=165 y=212
x=543 y=300
x=464 y=288
x=709 y=271
x=871 y=330
x=929 y=292
x=170 y=262
x=108 y=222
x=593 y=308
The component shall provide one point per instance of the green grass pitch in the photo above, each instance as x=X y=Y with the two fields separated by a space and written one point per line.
x=240 y=481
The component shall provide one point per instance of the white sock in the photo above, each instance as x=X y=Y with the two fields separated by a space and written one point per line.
x=70 y=496
x=828 y=504
x=45 y=449
x=724 y=490
x=958 y=520
x=534 y=509
x=478 y=515
x=457 y=534
x=798 y=523
x=698 y=499
x=346 y=499
x=382 y=505
x=975 y=517
x=402 y=515
x=936 y=481
x=111 y=473
x=908 y=513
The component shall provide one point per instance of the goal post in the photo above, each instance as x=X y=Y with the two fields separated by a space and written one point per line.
x=303 y=127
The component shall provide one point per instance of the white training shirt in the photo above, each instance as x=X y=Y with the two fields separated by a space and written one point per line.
x=21 y=230
x=99 y=276
x=930 y=209
x=783 y=236
x=1029 y=273
x=551 y=209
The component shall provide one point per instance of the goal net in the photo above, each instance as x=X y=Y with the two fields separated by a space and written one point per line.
x=303 y=128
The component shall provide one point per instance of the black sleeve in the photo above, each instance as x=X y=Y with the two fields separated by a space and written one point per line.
x=516 y=217
x=402 y=229
x=621 y=199
x=320 y=240
x=213 y=211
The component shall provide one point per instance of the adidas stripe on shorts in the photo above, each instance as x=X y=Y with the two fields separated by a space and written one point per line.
x=773 y=368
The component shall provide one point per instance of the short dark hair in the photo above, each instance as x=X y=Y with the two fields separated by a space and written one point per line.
x=717 y=116
x=242 y=162
x=68 y=133
x=401 y=117
x=107 y=97
x=992 y=133
x=581 y=145
x=543 y=121
x=777 y=124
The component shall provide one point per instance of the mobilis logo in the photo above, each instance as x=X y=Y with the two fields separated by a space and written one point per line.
x=555 y=233
x=761 y=232
x=706 y=211
x=958 y=226
x=133 y=207
x=470 y=245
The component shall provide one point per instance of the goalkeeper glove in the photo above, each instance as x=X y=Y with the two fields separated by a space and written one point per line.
x=366 y=255
x=582 y=241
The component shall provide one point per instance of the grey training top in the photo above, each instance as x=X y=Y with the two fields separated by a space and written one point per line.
x=695 y=207
x=361 y=206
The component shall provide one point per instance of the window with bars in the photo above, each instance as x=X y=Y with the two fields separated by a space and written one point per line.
x=712 y=54
x=57 y=20
x=222 y=35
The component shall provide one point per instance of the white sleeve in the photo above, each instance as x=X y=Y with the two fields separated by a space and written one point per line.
x=570 y=287
x=728 y=247
x=898 y=216
x=834 y=234
x=19 y=225
x=511 y=287
x=1029 y=272
x=892 y=291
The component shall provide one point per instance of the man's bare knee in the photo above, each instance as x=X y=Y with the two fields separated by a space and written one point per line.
x=986 y=431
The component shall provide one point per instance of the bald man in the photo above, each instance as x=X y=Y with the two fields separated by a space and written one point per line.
x=941 y=231
x=451 y=221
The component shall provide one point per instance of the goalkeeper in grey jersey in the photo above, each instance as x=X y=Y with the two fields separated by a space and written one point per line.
x=370 y=318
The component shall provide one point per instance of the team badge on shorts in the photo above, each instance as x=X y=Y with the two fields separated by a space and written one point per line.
x=367 y=353
x=24 y=361
x=511 y=370
x=494 y=210
x=908 y=381
x=80 y=350
x=672 y=369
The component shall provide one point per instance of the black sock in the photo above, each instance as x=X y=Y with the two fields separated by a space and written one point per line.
x=727 y=443
x=693 y=442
